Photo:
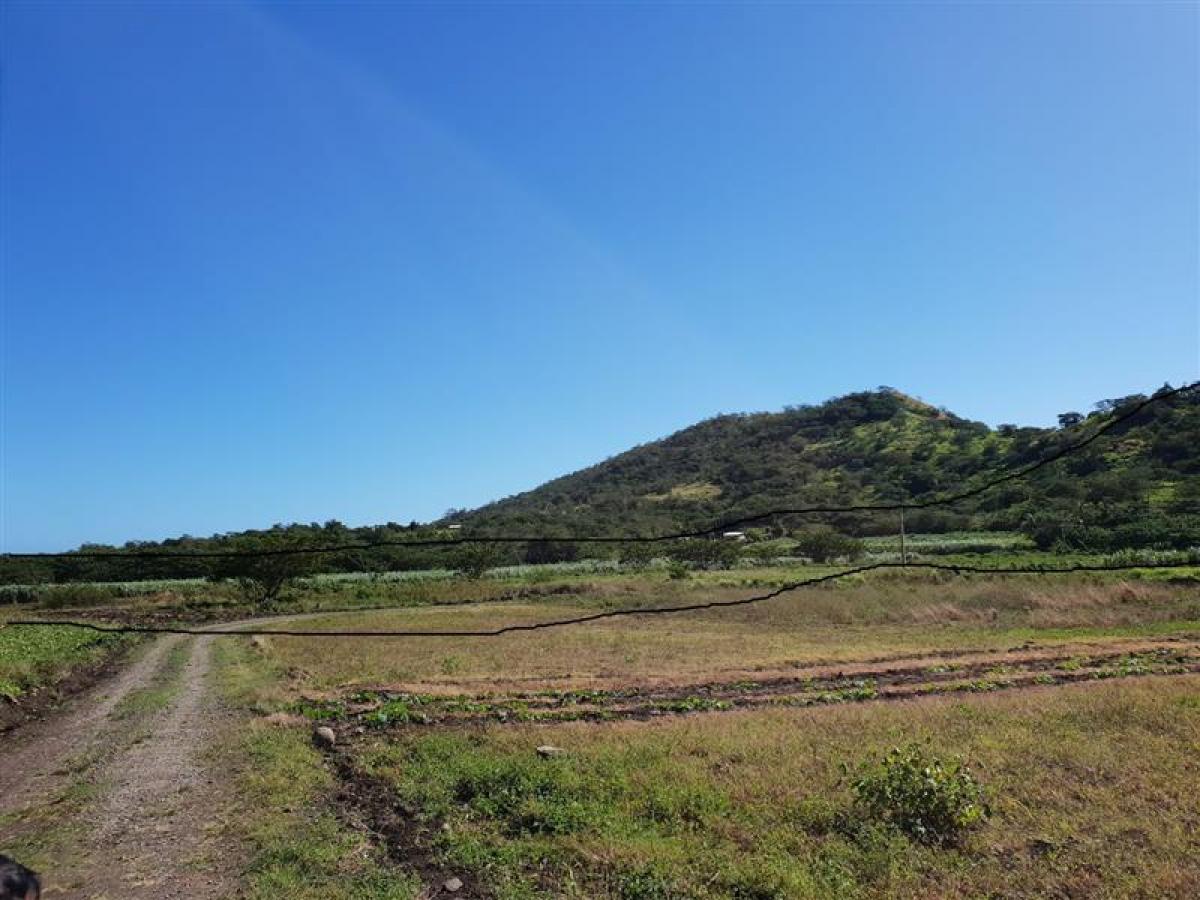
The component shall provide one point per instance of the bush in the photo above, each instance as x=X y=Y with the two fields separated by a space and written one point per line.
x=636 y=555
x=823 y=544
x=704 y=553
x=63 y=596
x=932 y=801
x=473 y=561
x=676 y=570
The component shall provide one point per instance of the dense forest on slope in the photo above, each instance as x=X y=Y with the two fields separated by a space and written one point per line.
x=1137 y=486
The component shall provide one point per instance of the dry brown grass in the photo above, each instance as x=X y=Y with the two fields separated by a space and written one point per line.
x=862 y=622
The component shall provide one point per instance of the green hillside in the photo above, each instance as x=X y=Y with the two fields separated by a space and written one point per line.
x=874 y=446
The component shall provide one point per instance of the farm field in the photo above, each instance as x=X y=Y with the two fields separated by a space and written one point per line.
x=37 y=666
x=704 y=754
x=712 y=754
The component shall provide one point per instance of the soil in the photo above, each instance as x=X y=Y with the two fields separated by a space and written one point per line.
x=906 y=679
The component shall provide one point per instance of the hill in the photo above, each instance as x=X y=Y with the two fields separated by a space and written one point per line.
x=1138 y=486
x=873 y=446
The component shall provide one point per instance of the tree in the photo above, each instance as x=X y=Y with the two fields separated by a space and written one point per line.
x=1069 y=419
x=636 y=555
x=704 y=553
x=264 y=567
x=822 y=544
x=474 y=559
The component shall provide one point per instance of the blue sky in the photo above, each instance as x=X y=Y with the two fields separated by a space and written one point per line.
x=266 y=262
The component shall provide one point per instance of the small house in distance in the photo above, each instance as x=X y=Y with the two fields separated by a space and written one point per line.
x=734 y=535
x=453 y=527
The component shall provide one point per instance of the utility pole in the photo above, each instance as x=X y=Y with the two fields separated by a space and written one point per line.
x=903 y=549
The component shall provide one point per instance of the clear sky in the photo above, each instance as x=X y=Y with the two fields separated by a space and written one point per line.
x=265 y=263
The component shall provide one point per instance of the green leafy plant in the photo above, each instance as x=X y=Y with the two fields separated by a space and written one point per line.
x=677 y=570
x=931 y=800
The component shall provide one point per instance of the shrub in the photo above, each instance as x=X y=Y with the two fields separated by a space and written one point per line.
x=475 y=559
x=933 y=801
x=822 y=544
x=704 y=553
x=677 y=570
x=636 y=555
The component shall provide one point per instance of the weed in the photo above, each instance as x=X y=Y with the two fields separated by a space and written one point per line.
x=933 y=801
x=319 y=710
x=393 y=712
x=691 y=704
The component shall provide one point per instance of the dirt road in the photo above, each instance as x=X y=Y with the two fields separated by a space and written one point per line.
x=112 y=797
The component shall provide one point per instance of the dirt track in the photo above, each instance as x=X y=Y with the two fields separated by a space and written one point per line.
x=132 y=785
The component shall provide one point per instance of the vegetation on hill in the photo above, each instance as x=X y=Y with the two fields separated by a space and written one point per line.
x=883 y=446
x=1138 y=486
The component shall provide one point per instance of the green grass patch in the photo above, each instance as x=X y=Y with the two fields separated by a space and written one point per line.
x=298 y=848
x=759 y=804
x=36 y=657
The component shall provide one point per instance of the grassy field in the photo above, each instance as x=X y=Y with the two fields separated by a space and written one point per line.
x=196 y=600
x=1092 y=788
x=875 y=618
x=714 y=754
x=34 y=658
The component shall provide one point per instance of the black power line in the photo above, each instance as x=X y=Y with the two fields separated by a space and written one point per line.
x=723 y=525
x=612 y=613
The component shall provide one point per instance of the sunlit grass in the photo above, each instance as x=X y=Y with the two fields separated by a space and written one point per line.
x=1091 y=789
x=845 y=624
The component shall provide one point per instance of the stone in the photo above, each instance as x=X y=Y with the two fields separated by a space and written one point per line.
x=324 y=736
x=452 y=885
x=546 y=751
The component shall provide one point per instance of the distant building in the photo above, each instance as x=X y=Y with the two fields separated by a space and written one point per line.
x=453 y=527
x=734 y=535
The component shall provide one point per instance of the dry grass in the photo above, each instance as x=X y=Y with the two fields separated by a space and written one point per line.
x=1093 y=785
x=885 y=619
